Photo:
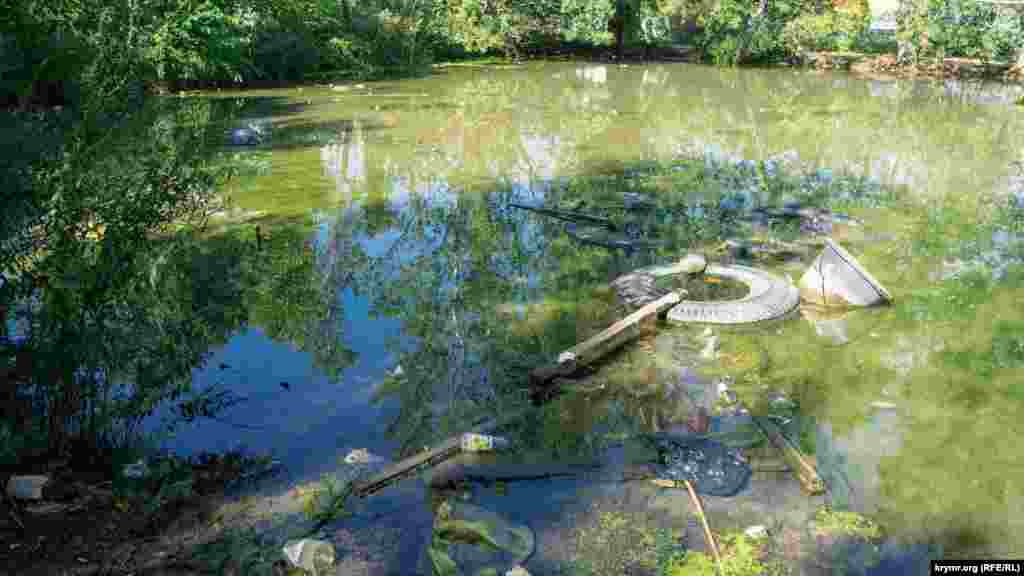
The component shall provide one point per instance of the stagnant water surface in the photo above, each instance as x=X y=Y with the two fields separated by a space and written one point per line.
x=398 y=191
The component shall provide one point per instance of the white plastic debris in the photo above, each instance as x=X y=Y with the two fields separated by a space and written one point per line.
x=136 y=470
x=758 y=531
x=517 y=571
x=710 y=348
x=725 y=393
x=398 y=371
x=314 y=556
x=362 y=456
x=27 y=487
x=472 y=442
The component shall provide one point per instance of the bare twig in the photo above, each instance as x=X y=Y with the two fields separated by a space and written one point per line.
x=704 y=523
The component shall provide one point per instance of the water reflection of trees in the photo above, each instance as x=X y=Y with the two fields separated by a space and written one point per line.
x=452 y=253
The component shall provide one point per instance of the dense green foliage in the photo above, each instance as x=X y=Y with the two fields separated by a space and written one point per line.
x=841 y=30
x=974 y=30
x=947 y=28
x=104 y=190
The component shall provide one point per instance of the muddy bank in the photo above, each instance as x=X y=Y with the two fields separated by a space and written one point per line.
x=91 y=522
x=886 y=66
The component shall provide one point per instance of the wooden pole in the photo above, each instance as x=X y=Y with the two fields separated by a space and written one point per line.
x=604 y=342
x=431 y=457
x=704 y=523
x=806 y=472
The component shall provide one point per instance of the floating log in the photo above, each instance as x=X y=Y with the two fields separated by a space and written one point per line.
x=377 y=482
x=604 y=342
x=806 y=472
x=568 y=216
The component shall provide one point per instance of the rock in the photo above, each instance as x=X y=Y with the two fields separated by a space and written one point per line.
x=314 y=556
x=757 y=532
x=27 y=487
x=835 y=278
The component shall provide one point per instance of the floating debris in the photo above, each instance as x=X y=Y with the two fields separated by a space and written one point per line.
x=836 y=278
x=363 y=456
x=482 y=442
x=711 y=467
x=316 y=557
x=136 y=470
x=27 y=487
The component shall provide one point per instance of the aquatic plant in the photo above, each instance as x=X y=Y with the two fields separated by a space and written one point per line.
x=326 y=501
x=613 y=542
x=741 y=556
x=842 y=522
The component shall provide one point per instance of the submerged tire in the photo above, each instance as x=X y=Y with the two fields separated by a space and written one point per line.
x=769 y=297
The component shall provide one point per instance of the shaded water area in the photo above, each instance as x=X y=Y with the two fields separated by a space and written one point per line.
x=388 y=207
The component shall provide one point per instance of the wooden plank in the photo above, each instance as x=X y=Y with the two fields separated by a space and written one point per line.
x=604 y=342
x=441 y=452
x=378 y=481
x=806 y=472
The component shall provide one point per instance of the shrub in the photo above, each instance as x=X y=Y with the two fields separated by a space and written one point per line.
x=974 y=30
x=835 y=30
x=737 y=32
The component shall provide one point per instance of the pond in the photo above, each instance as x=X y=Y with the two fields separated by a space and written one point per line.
x=425 y=297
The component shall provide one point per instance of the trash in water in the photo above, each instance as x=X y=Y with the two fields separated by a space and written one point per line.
x=713 y=468
x=314 y=556
x=835 y=278
x=472 y=442
x=363 y=456
x=756 y=532
x=136 y=471
x=725 y=393
x=26 y=487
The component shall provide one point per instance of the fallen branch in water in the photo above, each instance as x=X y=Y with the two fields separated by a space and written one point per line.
x=806 y=472
x=602 y=343
x=430 y=457
x=566 y=215
x=704 y=523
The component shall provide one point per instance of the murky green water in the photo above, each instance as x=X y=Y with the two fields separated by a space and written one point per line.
x=392 y=200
